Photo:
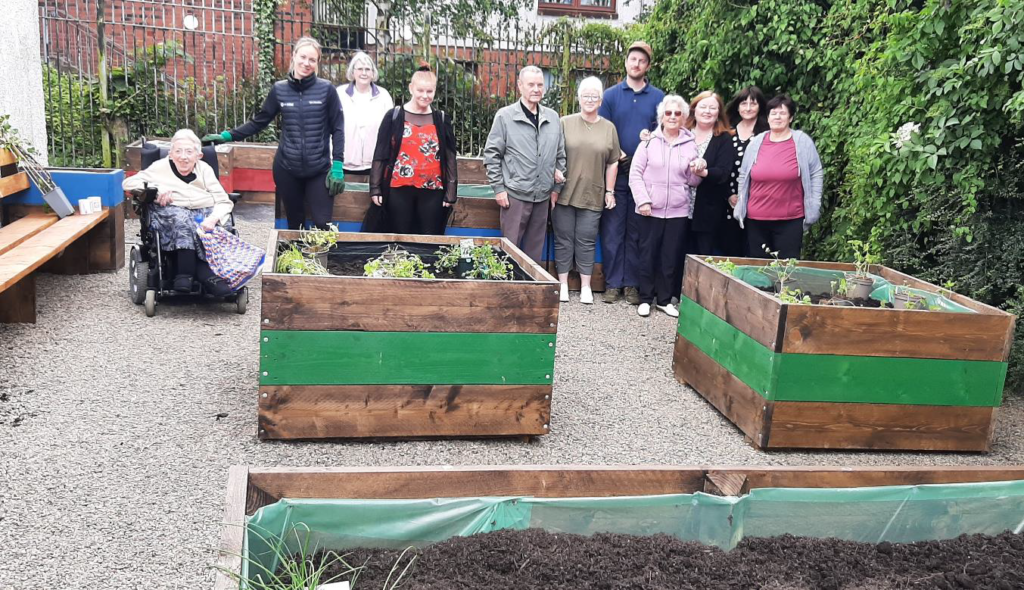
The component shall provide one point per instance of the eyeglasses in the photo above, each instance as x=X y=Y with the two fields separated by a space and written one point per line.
x=589 y=98
x=673 y=113
x=184 y=152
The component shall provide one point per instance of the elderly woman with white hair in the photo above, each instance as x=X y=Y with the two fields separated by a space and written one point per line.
x=662 y=182
x=364 y=104
x=187 y=192
x=592 y=162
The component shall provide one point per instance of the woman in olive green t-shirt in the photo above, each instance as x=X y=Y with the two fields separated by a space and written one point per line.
x=592 y=154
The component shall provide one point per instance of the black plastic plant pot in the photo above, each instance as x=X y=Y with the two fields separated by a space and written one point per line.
x=463 y=267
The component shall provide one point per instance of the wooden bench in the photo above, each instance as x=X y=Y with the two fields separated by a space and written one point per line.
x=33 y=239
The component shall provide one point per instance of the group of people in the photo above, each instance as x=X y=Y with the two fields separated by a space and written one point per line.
x=654 y=177
x=649 y=175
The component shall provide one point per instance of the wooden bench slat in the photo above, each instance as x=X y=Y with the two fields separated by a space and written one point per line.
x=7 y=157
x=15 y=183
x=17 y=232
x=37 y=250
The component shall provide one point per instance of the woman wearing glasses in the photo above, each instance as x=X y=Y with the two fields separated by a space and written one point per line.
x=591 y=157
x=186 y=188
x=662 y=180
x=780 y=184
x=364 y=104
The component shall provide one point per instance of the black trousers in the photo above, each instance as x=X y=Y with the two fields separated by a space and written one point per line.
x=661 y=243
x=784 y=236
x=294 y=193
x=414 y=210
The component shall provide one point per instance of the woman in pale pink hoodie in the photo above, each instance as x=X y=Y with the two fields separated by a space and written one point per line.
x=662 y=176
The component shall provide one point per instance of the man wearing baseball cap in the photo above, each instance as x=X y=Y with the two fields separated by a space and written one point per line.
x=631 y=106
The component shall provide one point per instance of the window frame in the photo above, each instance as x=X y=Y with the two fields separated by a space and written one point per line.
x=577 y=9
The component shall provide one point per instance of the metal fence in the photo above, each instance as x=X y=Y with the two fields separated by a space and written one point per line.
x=173 y=64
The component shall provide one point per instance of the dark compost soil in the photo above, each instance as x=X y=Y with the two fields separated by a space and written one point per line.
x=827 y=299
x=535 y=559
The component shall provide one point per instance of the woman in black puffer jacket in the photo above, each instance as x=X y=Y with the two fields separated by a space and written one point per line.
x=311 y=121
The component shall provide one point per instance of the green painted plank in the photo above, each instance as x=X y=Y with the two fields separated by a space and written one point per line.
x=464 y=191
x=889 y=380
x=744 y=357
x=295 y=357
x=837 y=378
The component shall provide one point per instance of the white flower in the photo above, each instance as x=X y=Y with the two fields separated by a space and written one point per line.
x=905 y=132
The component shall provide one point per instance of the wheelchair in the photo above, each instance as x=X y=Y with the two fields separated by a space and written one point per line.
x=151 y=271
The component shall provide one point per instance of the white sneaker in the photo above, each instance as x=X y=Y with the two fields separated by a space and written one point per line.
x=586 y=295
x=563 y=295
x=644 y=309
x=669 y=310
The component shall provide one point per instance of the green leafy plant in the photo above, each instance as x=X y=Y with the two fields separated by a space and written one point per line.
x=292 y=261
x=727 y=266
x=319 y=240
x=794 y=296
x=396 y=263
x=448 y=257
x=781 y=269
x=489 y=264
x=863 y=257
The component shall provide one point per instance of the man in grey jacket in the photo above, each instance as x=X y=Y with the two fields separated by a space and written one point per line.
x=525 y=151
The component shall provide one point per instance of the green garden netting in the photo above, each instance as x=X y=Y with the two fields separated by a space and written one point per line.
x=898 y=514
x=465 y=191
x=820 y=281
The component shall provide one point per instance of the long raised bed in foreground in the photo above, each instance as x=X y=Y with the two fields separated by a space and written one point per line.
x=824 y=377
x=250 y=489
x=362 y=357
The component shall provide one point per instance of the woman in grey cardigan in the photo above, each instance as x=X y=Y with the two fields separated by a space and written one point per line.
x=780 y=184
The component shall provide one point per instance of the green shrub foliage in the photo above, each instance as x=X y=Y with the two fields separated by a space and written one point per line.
x=916 y=108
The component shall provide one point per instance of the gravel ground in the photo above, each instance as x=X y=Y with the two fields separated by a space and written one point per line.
x=113 y=461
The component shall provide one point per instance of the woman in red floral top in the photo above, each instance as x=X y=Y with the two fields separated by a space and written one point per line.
x=415 y=173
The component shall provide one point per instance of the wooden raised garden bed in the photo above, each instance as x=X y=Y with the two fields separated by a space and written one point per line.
x=362 y=357
x=824 y=377
x=250 y=489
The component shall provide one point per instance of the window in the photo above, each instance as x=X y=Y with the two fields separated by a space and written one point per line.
x=591 y=8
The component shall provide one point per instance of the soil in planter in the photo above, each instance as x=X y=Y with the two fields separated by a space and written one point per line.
x=538 y=559
x=347 y=259
x=824 y=298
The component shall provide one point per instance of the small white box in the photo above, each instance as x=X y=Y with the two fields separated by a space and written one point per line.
x=96 y=204
x=84 y=206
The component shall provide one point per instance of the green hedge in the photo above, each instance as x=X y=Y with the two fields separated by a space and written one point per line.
x=941 y=202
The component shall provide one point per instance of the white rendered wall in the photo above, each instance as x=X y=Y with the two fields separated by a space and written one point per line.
x=21 y=72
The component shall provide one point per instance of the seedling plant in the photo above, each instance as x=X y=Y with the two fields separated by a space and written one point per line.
x=396 y=263
x=727 y=266
x=292 y=261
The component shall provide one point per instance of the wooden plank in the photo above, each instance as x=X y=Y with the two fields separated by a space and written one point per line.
x=40 y=248
x=360 y=411
x=898 y=278
x=736 y=401
x=882 y=380
x=11 y=185
x=869 y=476
x=472 y=171
x=18 y=302
x=454 y=482
x=596 y=279
x=405 y=358
x=17 y=232
x=529 y=266
x=7 y=157
x=822 y=425
x=292 y=302
x=232 y=533
x=477 y=214
x=754 y=313
x=739 y=354
x=816 y=329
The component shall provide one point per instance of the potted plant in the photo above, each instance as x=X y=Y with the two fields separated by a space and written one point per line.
x=903 y=298
x=317 y=243
x=859 y=283
x=292 y=261
x=52 y=194
x=781 y=271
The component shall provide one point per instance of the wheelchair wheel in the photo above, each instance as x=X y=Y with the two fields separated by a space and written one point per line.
x=150 y=303
x=138 y=276
x=242 y=300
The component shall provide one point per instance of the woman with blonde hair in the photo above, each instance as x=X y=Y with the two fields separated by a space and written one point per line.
x=364 y=104
x=312 y=128
x=715 y=160
x=415 y=166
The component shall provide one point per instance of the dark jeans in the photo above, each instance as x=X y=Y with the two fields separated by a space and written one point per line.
x=620 y=241
x=414 y=210
x=661 y=242
x=784 y=236
x=294 y=193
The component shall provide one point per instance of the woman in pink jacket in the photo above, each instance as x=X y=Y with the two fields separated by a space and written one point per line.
x=664 y=171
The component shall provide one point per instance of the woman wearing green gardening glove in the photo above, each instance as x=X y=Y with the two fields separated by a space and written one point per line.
x=312 y=128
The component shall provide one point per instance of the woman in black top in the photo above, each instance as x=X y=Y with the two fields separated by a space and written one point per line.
x=748 y=115
x=414 y=175
x=311 y=125
x=713 y=137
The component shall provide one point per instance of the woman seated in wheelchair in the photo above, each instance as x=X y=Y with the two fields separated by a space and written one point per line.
x=187 y=190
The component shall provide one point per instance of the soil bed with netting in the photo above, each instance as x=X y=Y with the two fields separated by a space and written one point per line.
x=349 y=259
x=537 y=559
